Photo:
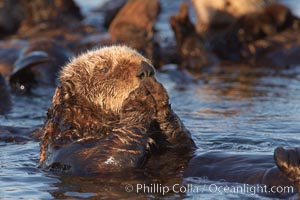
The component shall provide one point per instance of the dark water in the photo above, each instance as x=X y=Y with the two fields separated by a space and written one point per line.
x=230 y=108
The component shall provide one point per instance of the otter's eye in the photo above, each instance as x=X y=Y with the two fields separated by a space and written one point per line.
x=104 y=70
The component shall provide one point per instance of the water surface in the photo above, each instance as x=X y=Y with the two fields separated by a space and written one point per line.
x=229 y=108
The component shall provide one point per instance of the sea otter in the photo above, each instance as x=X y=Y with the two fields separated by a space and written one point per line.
x=288 y=161
x=219 y=14
x=38 y=64
x=263 y=38
x=108 y=114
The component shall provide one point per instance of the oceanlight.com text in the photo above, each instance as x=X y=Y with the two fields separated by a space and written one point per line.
x=157 y=188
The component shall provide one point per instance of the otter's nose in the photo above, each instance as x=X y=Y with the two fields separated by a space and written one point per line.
x=146 y=70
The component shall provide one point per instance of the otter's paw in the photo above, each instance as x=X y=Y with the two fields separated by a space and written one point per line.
x=138 y=108
x=288 y=161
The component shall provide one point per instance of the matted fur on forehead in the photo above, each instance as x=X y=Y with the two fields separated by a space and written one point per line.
x=86 y=62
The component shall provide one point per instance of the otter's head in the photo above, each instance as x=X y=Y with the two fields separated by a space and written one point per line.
x=105 y=77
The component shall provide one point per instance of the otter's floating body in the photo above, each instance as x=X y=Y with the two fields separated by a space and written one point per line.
x=105 y=113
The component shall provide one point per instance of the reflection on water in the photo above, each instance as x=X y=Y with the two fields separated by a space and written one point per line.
x=231 y=108
x=242 y=108
x=228 y=108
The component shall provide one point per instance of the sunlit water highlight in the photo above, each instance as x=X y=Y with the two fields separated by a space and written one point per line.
x=234 y=108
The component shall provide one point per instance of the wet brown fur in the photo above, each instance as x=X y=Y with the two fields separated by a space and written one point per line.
x=103 y=116
x=288 y=161
x=274 y=19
